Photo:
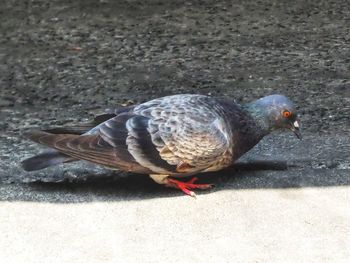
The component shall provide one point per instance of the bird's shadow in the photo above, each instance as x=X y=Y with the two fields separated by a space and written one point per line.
x=246 y=175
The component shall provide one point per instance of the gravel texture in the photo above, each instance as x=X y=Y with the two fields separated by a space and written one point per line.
x=63 y=61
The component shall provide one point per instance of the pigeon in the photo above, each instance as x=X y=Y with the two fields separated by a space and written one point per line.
x=168 y=138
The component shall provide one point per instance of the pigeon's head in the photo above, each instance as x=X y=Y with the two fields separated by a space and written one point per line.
x=279 y=113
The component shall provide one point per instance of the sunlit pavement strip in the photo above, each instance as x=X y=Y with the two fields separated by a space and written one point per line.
x=290 y=225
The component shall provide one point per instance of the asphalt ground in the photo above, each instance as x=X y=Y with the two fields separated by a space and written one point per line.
x=61 y=62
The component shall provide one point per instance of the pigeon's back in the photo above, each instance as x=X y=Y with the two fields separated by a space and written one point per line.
x=177 y=135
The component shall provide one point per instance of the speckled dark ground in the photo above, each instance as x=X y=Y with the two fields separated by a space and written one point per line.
x=63 y=61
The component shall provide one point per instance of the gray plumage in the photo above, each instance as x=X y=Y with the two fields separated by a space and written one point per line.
x=174 y=135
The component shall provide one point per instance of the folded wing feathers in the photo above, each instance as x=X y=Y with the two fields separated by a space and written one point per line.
x=153 y=137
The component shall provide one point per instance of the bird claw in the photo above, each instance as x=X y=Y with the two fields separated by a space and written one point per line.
x=186 y=187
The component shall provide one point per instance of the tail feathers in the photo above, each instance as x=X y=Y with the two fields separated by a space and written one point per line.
x=45 y=159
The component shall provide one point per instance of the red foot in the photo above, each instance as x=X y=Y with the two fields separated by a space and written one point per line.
x=187 y=186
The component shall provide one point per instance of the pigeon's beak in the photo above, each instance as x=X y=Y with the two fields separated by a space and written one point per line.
x=295 y=127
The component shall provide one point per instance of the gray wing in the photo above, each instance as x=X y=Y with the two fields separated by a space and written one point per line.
x=187 y=131
x=179 y=134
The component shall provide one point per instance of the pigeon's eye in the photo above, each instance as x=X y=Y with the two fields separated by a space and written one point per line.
x=286 y=113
